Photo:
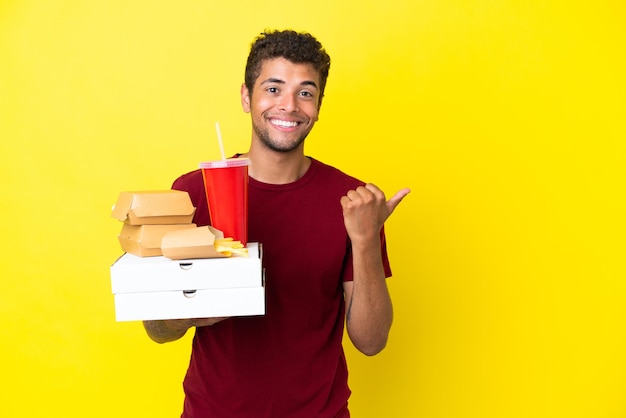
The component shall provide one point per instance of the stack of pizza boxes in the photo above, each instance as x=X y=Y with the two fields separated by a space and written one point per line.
x=171 y=269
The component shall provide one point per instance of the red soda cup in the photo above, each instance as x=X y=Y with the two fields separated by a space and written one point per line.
x=226 y=186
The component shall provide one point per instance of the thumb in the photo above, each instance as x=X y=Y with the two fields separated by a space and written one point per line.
x=396 y=199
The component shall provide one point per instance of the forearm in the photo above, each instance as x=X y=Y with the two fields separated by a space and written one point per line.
x=369 y=312
x=166 y=331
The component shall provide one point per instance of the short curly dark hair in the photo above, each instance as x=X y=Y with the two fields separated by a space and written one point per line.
x=297 y=47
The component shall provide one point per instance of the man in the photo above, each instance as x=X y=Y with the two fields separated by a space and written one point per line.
x=323 y=252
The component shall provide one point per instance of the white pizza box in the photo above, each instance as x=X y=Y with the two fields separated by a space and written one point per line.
x=151 y=288
x=180 y=304
x=131 y=273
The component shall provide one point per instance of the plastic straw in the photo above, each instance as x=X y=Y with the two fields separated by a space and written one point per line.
x=219 y=139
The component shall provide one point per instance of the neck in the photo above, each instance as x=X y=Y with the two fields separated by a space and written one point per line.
x=276 y=168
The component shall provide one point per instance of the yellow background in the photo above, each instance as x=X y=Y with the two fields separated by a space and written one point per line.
x=506 y=118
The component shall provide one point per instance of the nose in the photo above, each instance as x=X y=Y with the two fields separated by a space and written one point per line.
x=288 y=103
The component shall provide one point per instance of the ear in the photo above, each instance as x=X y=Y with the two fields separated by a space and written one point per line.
x=245 y=98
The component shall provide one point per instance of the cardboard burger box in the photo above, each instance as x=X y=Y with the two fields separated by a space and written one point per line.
x=154 y=207
x=161 y=288
x=145 y=240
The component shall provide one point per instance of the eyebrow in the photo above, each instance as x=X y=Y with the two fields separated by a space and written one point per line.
x=279 y=81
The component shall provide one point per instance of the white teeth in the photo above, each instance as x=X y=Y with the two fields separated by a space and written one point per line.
x=284 y=123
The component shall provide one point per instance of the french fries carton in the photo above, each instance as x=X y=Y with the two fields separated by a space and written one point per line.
x=150 y=288
x=154 y=207
x=145 y=240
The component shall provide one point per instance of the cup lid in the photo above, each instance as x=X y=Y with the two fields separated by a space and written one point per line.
x=229 y=162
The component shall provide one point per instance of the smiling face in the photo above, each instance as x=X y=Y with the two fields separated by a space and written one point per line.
x=284 y=104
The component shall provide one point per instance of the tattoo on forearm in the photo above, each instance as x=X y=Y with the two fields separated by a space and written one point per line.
x=160 y=329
